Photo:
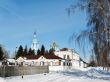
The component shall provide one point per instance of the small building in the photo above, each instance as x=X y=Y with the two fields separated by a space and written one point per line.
x=11 y=62
x=40 y=60
x=49 y=60
x=20 y=61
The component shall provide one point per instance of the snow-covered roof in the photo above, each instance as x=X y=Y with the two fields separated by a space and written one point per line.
x=20 y=59
x=11 y=60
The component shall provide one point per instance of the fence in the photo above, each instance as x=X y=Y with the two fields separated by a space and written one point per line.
x=7 y=71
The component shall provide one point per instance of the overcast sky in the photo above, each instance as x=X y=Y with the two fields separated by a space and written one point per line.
x=20 y=18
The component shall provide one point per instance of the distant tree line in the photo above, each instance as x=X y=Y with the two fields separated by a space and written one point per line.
x=23 y=52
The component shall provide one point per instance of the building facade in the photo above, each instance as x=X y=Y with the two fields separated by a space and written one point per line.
x=71 y=57
x=63 y=59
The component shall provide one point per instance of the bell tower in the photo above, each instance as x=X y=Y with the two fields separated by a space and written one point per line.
x=54 y=46
x=35 y=43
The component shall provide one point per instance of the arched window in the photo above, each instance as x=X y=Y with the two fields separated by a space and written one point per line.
x=64 y=63
x=51 y=63
x=41 y=63
x=68 y=57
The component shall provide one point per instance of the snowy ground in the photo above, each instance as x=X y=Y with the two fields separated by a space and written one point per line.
x=84 y=75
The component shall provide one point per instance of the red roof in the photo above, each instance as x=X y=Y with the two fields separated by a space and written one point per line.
x=46 y=56
x=52 y=57
x=32 y=57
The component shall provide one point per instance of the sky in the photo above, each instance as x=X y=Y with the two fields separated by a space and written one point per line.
x=49 y=18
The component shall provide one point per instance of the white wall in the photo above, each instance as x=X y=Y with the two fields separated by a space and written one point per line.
x=69 y=53
x=62 y=53
x=59 y=68
x=75 y=63
x=74 y=57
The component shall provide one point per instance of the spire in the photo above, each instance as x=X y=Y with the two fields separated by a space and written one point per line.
x=35 y=35
x=35 y=43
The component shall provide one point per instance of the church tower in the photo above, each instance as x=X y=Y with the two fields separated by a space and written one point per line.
x=35 y=43
x=54 y=46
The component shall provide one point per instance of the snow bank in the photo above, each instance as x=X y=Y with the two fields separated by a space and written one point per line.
x=75 y=75
x=92 y=73
x=2 y=80
x=98 y=73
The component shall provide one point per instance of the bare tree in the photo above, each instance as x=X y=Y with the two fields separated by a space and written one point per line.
x=98 y=31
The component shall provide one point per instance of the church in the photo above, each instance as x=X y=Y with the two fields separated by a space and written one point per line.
x=62 y=58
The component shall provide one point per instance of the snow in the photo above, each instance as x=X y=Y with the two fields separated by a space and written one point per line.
x=11 y=60
x=2 y=80
x=75 y=75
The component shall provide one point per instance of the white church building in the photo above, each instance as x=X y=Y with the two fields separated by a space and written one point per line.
x=62 y=59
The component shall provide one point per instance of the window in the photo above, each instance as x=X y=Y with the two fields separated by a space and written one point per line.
x=51 y=63
x=59 y=62
x=64 y=56
x=63 y=63
x=68 y=57
x=42 y=63
x=32 y=62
